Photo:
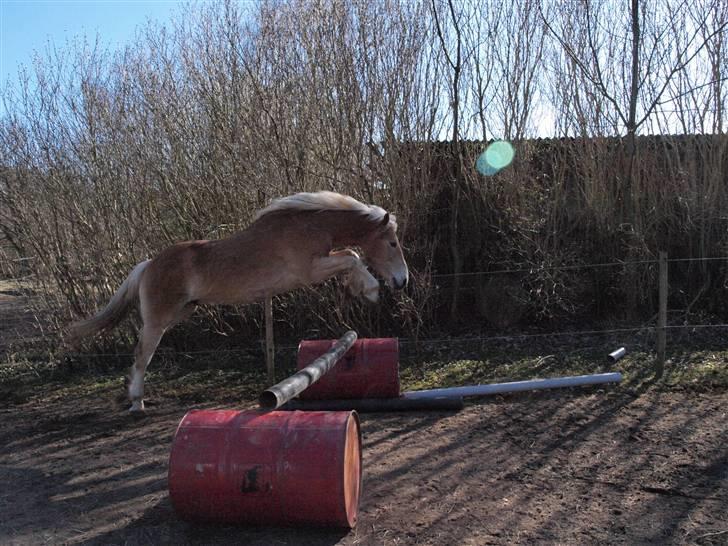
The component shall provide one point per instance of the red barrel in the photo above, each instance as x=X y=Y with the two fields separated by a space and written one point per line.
x=370 y=369
x=274 y=468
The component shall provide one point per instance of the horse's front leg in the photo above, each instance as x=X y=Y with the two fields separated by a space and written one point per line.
x=359 y=280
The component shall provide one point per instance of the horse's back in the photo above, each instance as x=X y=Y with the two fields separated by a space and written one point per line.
x=171 y=274
x=272 y=256
x=233 y=270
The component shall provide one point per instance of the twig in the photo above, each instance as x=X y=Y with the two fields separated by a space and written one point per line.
x=712 y=534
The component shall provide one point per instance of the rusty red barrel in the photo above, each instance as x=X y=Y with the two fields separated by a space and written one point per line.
x=370 y=369
x=267 y=468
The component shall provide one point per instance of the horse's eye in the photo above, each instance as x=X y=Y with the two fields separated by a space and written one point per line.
x=393 y=244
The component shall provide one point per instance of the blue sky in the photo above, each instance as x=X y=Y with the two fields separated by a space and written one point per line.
x=29 y=25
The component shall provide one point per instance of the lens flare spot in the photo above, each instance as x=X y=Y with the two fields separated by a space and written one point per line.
x=498 y=155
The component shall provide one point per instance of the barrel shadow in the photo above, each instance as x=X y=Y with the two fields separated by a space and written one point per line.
x=160 y=525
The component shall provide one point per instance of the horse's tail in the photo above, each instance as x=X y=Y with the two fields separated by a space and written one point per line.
x=115 y=310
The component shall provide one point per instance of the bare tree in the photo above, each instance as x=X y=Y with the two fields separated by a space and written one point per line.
x=518 y=57
x=452 y=48
x=189 y=129
x=623 y=55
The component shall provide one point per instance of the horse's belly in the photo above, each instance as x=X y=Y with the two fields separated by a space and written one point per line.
x=242 y=291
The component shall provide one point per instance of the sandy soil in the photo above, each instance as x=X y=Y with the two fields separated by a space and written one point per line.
x=581 y=466
x=568 y=467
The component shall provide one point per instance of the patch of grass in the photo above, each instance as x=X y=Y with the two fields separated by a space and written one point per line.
x=238 y=381
x=31 y=381
x=171 y=376
x=693 y=369
x=698 y=369
x=204 y=385
x=497 y=366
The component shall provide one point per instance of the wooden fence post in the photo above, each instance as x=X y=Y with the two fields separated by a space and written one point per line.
x=662 y=315
x=269 y=343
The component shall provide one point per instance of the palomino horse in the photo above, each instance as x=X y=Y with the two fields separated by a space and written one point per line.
x=290 y=244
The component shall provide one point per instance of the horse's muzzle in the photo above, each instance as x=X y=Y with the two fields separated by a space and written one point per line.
x=399 y=284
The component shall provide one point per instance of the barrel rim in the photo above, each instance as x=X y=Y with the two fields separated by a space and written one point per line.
x=351 y=513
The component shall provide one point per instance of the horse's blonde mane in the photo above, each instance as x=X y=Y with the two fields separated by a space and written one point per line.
x=324 y=201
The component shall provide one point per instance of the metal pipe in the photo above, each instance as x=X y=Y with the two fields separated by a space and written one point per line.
x=516 y=386
x=280 y=393
x=616 y=355
x=371 y=405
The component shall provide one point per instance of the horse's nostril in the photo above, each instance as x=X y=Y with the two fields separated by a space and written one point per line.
x=399 y=285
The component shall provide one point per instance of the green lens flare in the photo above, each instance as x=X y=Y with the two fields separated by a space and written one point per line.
x=498 y=155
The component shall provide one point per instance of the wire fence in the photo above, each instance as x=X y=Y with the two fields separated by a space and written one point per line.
x=532 y=269
x=415 y=342
x=14 y=321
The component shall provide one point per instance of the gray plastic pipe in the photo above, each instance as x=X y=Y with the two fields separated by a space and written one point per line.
x=616 y=355
x=516 y=386
x=371 y=405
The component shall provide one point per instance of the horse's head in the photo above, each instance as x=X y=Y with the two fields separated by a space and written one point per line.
x=383 y=253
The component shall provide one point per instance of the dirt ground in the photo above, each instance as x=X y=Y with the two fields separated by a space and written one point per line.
x=615 y=465
x=583 y=466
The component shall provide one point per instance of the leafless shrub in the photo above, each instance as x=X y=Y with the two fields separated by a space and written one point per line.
x=108 y=157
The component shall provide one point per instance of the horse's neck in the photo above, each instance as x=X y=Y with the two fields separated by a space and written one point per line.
x=345 y=227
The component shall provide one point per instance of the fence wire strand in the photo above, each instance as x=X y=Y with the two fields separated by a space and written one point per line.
x=415 y=342
x=482 y=339
x=577 y=266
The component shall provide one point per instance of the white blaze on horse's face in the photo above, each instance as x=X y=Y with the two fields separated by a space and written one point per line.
x=384 y=254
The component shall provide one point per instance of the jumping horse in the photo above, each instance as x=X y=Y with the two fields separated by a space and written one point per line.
x=297 y=241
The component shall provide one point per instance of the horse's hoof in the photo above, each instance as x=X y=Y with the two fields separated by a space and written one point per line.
x=372 y=296
x=137 y=408
x=137 y=413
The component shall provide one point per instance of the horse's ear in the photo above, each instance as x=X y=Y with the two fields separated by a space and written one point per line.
x=385 y=221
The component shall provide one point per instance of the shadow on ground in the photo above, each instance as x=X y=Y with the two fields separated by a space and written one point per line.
x=589 y=465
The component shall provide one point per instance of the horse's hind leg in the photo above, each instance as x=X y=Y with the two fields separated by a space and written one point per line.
x=149 y=338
